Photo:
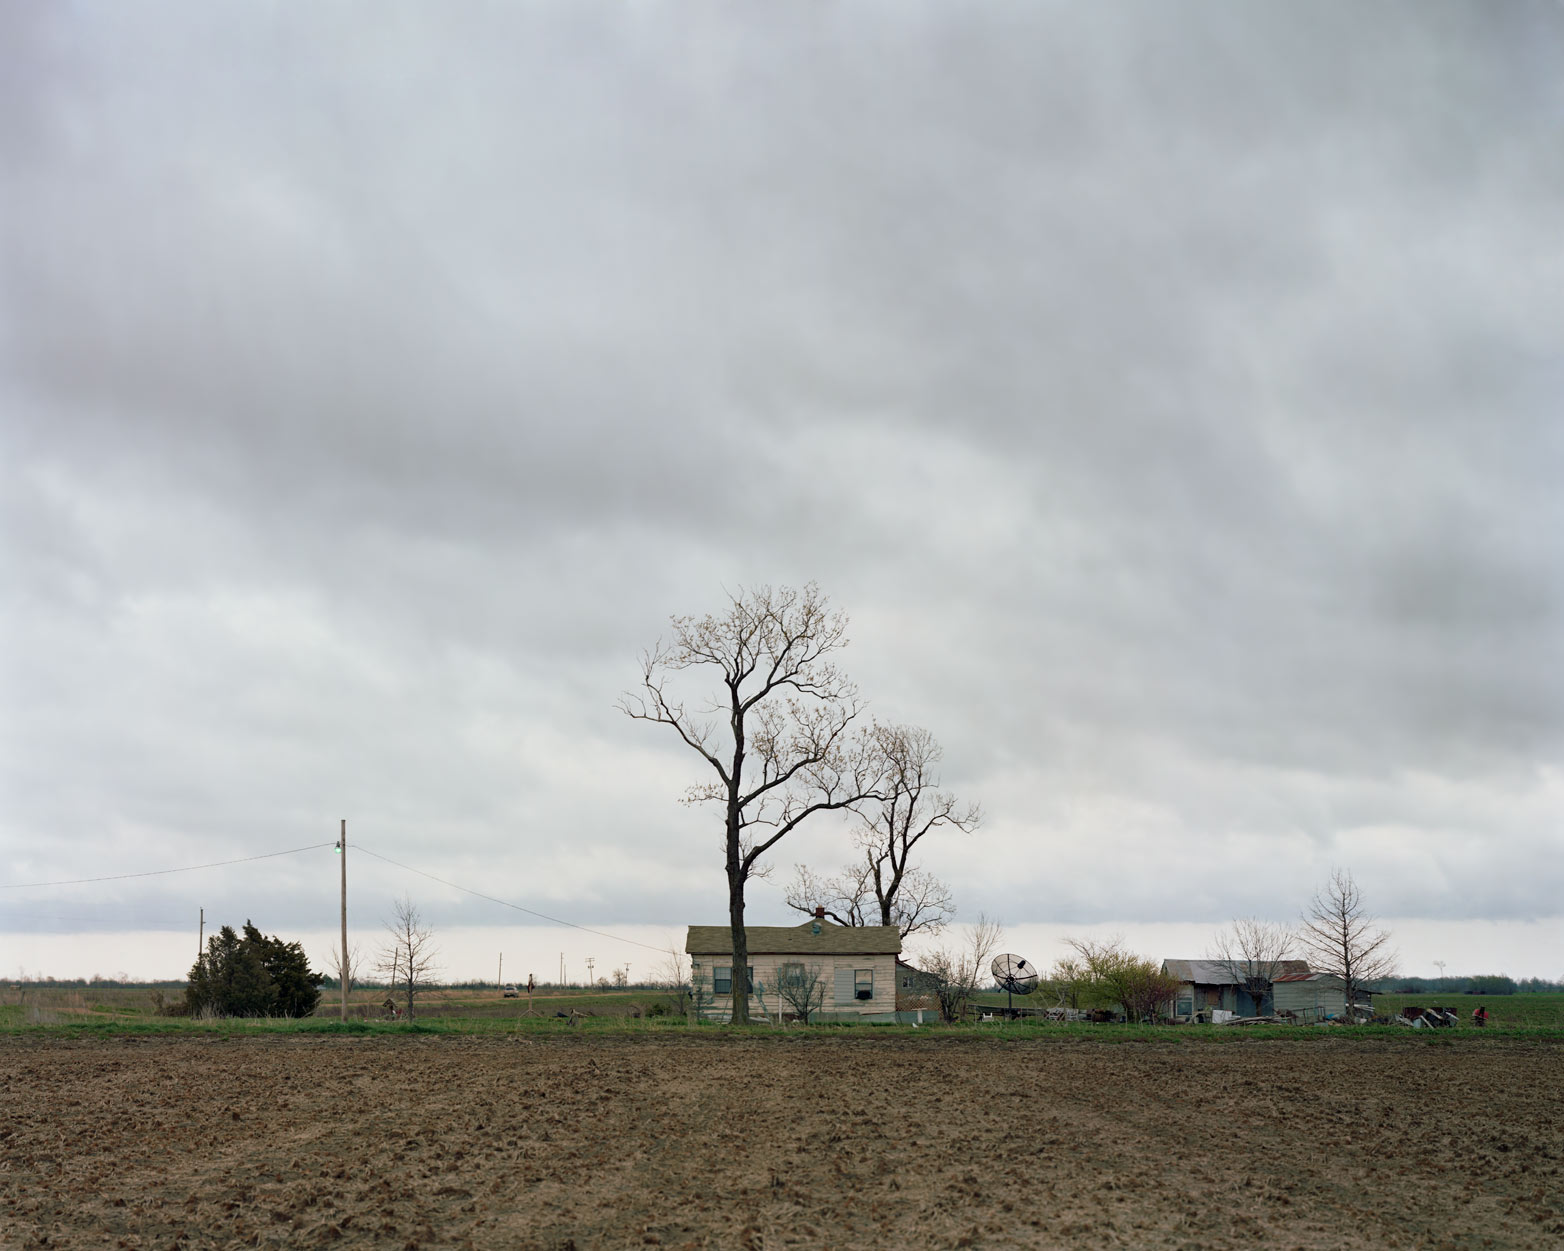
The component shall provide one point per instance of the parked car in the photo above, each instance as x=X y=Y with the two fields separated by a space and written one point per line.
x=510 y=992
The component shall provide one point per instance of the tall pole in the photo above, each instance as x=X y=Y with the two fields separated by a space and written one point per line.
x=499 y=979
x=342 y=848
x=201 y=938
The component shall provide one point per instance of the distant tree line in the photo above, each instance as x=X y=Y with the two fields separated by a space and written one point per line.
x=1472 y=984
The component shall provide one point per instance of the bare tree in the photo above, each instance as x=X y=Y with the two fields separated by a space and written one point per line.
x=778 y=734
x=847 y=898
x=1342 y=939
x=802 y=988
x=1254 y=954
x=962 y=970
x=884 y=883
x=355 y=964
x=407 y=959
x=672 y=976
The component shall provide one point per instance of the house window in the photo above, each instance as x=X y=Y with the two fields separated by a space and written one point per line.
x=792 y=975
x=863 y=984
x=722 y=979
x=906 y=981
x=1184 y=1007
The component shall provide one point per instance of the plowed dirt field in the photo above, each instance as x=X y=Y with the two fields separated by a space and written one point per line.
x=826 y=1141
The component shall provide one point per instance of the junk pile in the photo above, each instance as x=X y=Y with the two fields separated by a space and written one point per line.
x=1427 y=1018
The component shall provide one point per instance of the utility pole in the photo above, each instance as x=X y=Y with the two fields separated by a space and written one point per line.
x=562 y=970
x=590 y=963
x=342 y=850
x=499 y=979
x=201 y=938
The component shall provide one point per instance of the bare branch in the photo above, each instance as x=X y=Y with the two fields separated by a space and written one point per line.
x=962 y=970
x=1342 y=939
x=904 y=806
x=408 y=960
x=802 y=988
x=843 y=897
x=1254 y=953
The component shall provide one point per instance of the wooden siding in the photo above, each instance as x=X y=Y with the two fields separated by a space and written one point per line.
x=1312 y=999
x=767 y=966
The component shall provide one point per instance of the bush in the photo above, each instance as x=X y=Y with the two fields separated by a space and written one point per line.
x=252 y=976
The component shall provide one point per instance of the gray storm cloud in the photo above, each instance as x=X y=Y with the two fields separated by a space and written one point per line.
x=1170 y=398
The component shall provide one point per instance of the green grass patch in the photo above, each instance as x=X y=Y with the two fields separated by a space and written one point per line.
x=103 y=1010
x=990 y=1032
x=1543 y=1010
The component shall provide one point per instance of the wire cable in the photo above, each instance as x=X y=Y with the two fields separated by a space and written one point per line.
x=189 y=868
x=507 y=904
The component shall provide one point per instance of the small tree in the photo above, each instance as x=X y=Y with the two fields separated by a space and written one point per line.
x=252 y=975
x=1254 y=954
x=1342 y=939
x=962 y=970
x=1145 y=990
x=673 y=977
x=802 y=988
x=408 y=959
x=350 y=976
x=230 y=979
x=1117 y=975
x=1072 y=983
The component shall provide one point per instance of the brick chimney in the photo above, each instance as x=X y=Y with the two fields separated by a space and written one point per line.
x=819 y=912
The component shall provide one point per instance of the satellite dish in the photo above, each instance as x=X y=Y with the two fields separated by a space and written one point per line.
x=1014 y=975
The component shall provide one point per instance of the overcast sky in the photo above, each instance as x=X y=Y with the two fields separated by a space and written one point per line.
x=1170 y=395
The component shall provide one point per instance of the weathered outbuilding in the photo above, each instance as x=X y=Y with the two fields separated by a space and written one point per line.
x=1213 y=985
x=912 y=981
x=1315 y=996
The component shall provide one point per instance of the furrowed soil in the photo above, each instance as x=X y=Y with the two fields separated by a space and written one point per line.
x=815 y=1141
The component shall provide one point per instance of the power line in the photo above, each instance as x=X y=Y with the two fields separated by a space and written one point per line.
x=54 y=916
x=293 y=851
x=507 y=904
x=189 y=868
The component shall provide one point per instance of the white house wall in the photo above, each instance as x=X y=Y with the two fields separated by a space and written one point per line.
x=767 y=970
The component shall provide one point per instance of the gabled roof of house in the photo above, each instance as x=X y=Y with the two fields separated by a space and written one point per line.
x=1218 y=973
x=797 y=940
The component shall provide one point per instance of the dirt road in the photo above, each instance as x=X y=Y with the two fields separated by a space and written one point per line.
x=824 y=1141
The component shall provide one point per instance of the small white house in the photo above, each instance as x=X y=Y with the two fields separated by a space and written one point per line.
x=851 y=968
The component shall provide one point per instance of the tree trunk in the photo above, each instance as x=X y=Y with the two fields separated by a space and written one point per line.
x=740 y=983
